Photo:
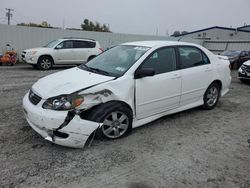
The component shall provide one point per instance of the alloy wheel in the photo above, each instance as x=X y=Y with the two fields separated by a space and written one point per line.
x=115 y=124
x=45 y=63
x=212 y=96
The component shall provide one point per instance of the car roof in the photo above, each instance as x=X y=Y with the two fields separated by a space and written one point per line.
x=75 y=38
x=154 y=43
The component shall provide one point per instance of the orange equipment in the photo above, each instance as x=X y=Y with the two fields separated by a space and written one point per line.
x=9 y=57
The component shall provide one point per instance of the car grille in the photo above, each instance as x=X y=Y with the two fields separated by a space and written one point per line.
x=248 y=69
x=34 y=99
x=245 y=68
x=23 y=54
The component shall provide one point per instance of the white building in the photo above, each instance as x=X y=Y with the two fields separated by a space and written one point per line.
x=220 y=33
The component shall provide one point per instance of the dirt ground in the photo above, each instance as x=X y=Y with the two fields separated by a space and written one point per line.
x=195 y=148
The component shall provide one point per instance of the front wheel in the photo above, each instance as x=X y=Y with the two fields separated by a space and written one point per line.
x=211 y=96
x=45 y=63
x=116 y=119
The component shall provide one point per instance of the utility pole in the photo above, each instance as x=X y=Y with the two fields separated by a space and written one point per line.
x=9 y=14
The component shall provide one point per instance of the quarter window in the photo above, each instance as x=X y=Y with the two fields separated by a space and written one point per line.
x=191 y=57
x=162 y=61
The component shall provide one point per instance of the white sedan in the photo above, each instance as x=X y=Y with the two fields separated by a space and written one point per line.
x=125 y=87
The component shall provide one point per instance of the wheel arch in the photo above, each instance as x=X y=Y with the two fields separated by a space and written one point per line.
x=218 y=82
x=46 y=55
x=85 y=114
x=91 y=57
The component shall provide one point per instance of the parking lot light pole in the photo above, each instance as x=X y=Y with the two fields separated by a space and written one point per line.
x=9 y=14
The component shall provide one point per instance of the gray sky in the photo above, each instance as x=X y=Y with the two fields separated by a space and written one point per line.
x=132 y=16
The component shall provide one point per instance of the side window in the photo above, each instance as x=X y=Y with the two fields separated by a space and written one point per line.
x=65 y=45
x=205 y=59
x=84 y=44
x=191 y=57
x=243 y=53
x=162 y=61
x=91 y=44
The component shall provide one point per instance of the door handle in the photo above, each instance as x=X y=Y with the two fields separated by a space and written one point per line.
x=176 y=76
x=208 y=69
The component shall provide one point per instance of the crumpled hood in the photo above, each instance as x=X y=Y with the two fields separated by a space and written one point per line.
x=247 y=63
x=66 y=82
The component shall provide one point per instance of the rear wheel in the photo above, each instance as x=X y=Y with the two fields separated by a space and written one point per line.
x=211 y=96
x=116 y=119
x=45 y=63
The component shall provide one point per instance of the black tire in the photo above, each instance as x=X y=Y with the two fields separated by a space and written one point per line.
x=91 y=57
x=211 y=96
x=245 y=81
x=45 y=63
x=112 y=128
x=34 y=66
x=1 y=63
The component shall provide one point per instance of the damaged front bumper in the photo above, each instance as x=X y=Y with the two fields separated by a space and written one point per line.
x=48 y=123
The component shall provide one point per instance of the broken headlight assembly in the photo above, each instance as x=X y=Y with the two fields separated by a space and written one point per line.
x=63 y=102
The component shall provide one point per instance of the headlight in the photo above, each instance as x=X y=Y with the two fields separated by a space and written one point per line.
x=63 y=102
x=243 y=67
x=31 y=53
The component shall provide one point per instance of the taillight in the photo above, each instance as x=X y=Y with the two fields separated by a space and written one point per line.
x=101 y=50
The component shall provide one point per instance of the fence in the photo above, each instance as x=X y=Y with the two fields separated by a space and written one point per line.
x=22 y=38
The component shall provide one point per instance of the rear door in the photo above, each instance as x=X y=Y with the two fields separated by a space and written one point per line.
x=83 y=50
x=160 y=92
x=196 y=72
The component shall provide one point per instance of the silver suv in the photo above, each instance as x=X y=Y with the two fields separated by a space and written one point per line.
x=65 y=51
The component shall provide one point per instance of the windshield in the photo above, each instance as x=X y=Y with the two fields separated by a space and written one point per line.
x=116 y=61
x=51 y=44
x=231 y=53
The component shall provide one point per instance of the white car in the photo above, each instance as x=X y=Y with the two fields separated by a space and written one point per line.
x=244 y=72
x=125 y=87
x=64 y=51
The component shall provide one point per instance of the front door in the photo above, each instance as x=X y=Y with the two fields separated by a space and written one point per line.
x=64 y=53
x=160 y=92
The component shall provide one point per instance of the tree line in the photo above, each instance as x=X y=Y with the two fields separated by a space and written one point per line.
x=87 y=25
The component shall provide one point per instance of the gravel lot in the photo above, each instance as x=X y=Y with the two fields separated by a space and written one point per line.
x=195 y=148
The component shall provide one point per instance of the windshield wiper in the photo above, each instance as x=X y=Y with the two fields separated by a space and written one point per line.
x=96 y=70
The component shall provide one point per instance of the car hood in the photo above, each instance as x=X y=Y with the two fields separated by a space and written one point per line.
x=247 y=63
x=66 y=82
x=232 y=56
x=35 y=49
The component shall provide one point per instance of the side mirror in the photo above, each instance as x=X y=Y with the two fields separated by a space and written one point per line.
x=58 y=47
x=144 y=72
